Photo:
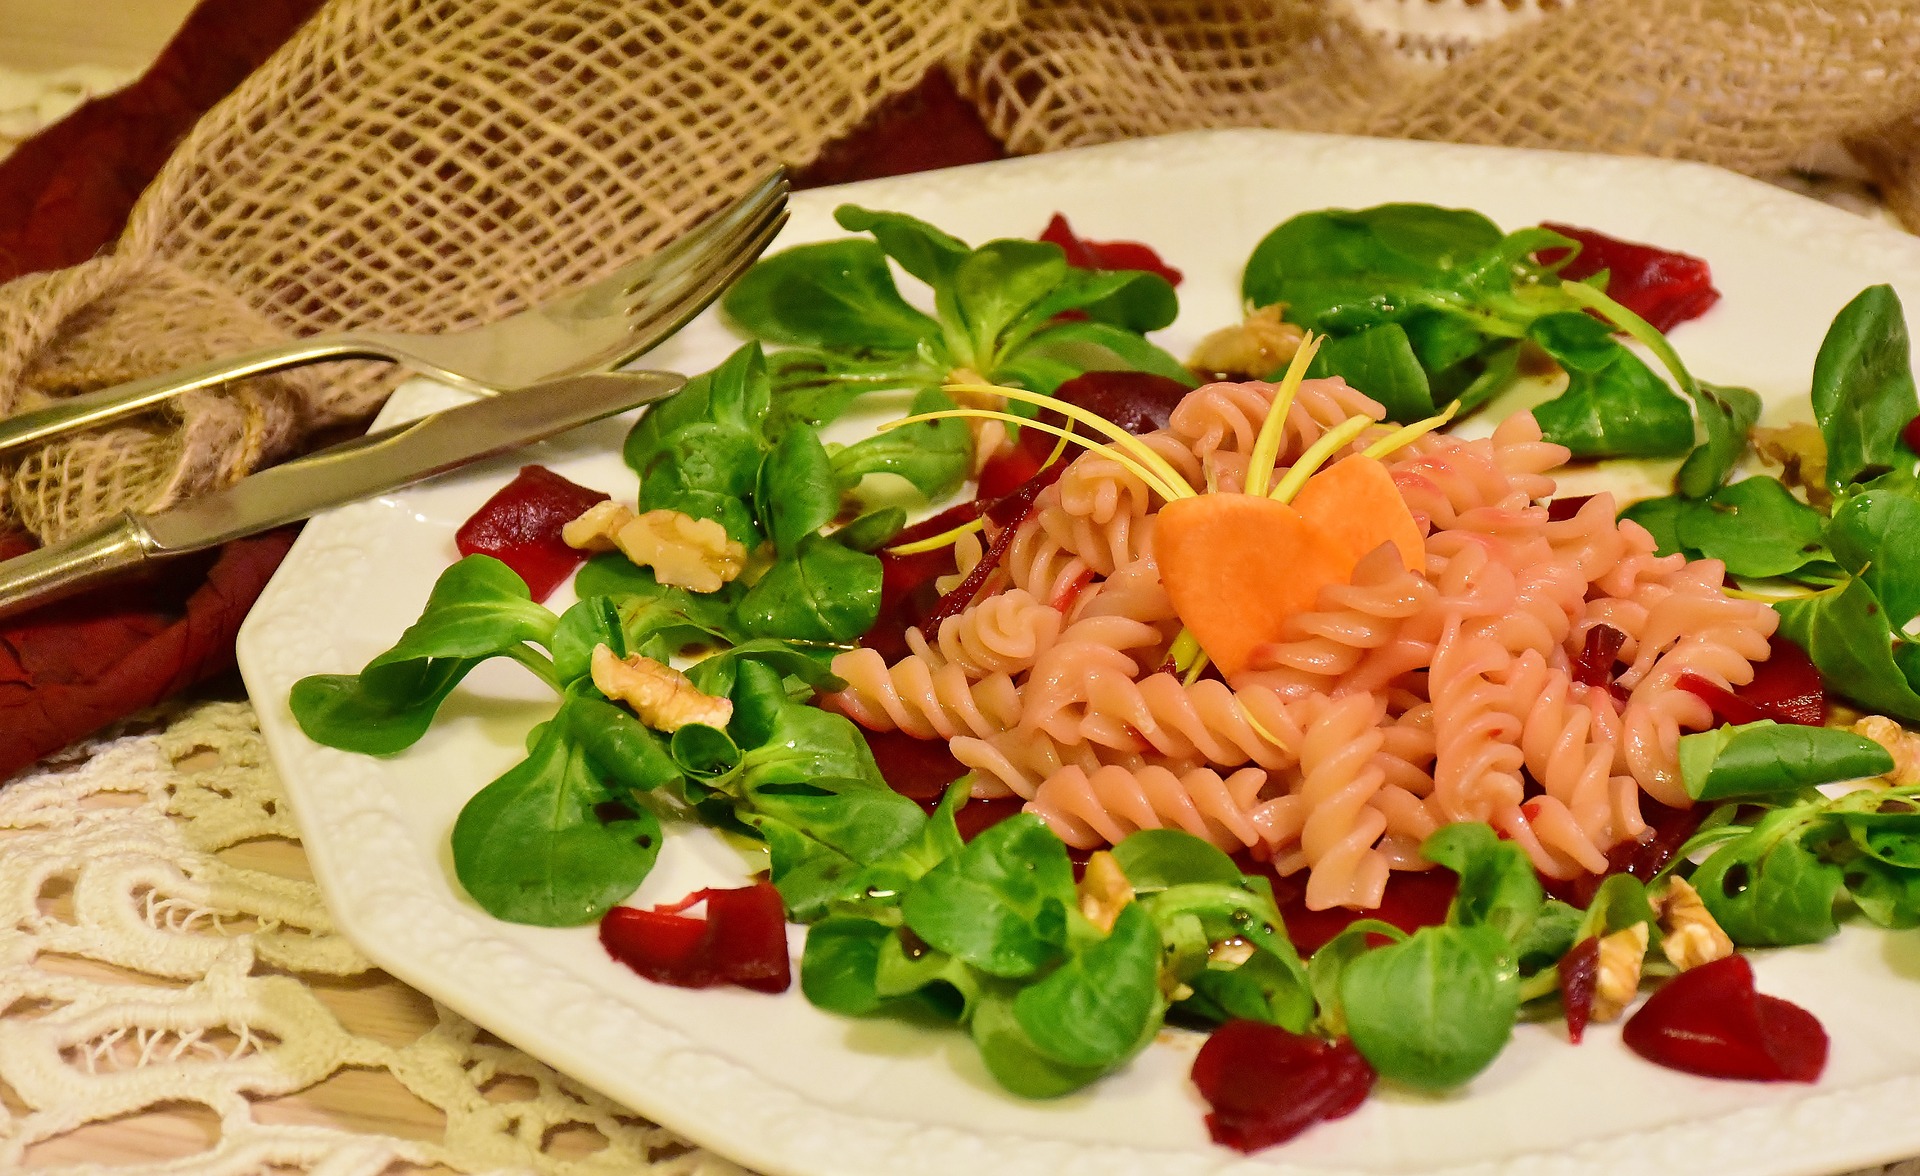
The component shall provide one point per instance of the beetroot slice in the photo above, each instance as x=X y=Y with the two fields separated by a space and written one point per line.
x=1579 y=972
x=1711 y=1022
x=1659 y=285
x=1267 y=1085
x=1594 y=666
x=1106 y=255
x=741 y=941
x=520 y=526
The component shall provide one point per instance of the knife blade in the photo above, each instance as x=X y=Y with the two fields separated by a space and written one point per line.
x=335 y=476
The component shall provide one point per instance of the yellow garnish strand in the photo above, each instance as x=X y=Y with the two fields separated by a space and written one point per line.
x=1408 y=434
x=1266 y=447
x=1185 y=648
x=943 y=539
x=1316 y=456
x=1247 y=714
x=1178 y=488
x=1199 y=667
x=1135 y=447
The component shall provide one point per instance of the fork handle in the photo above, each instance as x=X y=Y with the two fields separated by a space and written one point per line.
x=50 y=573
x=121 y=400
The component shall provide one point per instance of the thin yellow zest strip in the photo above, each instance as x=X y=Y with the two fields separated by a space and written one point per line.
x=1169 y=491
x=947 y=538
x=1247 y=714
x=1316 y=456
x=1266 y=447
x=943 y=539
x=1135 y=447
x=1408 y=434
x=1185 y=648
x=1198 y=668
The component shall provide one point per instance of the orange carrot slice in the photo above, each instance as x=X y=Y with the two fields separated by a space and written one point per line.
x=1237 y=566
x=1356 y=503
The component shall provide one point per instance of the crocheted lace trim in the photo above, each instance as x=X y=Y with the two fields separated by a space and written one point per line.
x=140 y=970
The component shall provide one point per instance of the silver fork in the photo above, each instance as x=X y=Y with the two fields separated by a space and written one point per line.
x=594 y=327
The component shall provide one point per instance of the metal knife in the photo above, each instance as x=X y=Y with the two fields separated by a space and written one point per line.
x=344 y=473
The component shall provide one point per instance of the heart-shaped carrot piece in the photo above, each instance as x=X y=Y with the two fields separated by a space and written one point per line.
x=1355 y=501
x=1237 y=566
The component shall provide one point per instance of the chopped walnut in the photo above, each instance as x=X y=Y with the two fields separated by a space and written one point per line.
x=1800 y=451
x=1104 y=890
x=594 y=530
x=683 y=551
x=1230 y=952
x=1255 y=349
x=661 y=695
x=1690 y=935
x=1902 y=744
x=1617 y=980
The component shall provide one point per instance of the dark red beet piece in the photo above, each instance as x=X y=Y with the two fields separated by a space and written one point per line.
x=742 y=940
x=1138 y=402
x=520 y=526
x=1711 y=1022
x=1667 y=830
x=1267 y=1085
x=1006 y=472
x=1108 y=255
x=1659 y=285
x=1594 y=666
x=919 y=769
x=1785 y=688
x=1412 y=900
x=1579 y=971
x=1911 y=434
x=1559 y=510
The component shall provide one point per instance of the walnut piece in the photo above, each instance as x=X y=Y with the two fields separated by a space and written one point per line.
x=1690 y=937
x=683 y=551
x=1902 y=744
x=1104 y=890
x=1617 y=980
x=594 y=530
x=661 y=695
x=1255 y=349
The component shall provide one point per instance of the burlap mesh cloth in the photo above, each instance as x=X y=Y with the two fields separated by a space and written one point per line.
x=423 y=166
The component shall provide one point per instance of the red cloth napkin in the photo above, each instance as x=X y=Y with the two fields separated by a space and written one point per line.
x=72 y=668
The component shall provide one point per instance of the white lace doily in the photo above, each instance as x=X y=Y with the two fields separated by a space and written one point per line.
x=140 y=970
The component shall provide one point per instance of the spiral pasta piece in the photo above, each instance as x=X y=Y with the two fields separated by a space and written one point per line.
x=1103 y=807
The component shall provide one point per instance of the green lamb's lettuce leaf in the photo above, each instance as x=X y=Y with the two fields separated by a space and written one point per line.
x=797 y=489
x=827 y=592
x=539 y=845
x=1379 y=361
x=837 y=295
x=1434 y=1010
x=936 y=456
x=1874 y=533
x=1755 y=526
x=1725 y=415
x=1765 y=757
x=1101 y=1005
x=1614 y=405
x=1340 y=271
x=1768 y=888
x=478 y=608
x=1001 y=903
x=1863 y=390
x=1845 y=631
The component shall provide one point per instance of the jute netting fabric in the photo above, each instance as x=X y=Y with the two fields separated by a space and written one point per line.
x=428 y=166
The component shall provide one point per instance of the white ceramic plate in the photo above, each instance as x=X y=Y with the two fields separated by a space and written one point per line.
x=787 y=1089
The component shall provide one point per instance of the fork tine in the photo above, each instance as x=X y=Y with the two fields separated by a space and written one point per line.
x=661 y=320
x=767 y=197
x=692 y=269
x=710 y=236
